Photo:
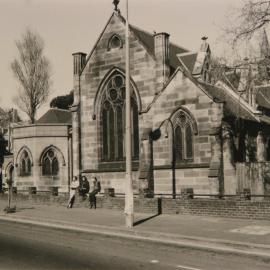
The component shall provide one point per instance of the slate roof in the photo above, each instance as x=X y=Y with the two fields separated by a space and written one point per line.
x=189 y=60
x=55 y=116
x=148 y=41
x=232 y=105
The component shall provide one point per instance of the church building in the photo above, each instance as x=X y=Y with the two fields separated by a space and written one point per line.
x=188 y=132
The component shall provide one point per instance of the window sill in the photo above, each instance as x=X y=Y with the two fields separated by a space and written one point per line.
x=115 y=166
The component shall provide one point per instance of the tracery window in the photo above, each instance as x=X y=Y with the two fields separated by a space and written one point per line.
x=25 y=164
x=183 y=137
x=113 y=121
x=50 y=164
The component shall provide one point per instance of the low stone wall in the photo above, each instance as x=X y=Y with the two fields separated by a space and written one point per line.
x=236 y=207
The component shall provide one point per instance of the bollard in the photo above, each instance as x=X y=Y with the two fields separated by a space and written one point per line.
x=54 y=191
x=32 y=190
x=187 y=193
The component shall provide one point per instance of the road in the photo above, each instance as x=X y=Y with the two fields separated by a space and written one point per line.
x=34 y=247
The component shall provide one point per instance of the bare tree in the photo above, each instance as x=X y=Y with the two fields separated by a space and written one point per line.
x=250 y=17
x=32 y=70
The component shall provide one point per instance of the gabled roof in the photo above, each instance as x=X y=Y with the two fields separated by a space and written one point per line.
x=55 y=116
x=148 y=40
x=233 y=105
x=189 y=60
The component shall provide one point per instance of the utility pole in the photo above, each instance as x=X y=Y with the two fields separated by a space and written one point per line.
x=129 y=204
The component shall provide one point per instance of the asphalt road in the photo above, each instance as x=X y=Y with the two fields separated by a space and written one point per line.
x=34 y=247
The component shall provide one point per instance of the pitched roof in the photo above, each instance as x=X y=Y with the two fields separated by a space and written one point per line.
x=148 y=40
x=55 y=116
x=232 y=104
x=189 y=60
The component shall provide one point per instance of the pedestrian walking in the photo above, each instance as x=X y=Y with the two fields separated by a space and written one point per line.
x=96 y=187
x=73 y=187
x=84 y=187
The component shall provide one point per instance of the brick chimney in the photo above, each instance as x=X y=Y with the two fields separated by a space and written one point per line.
x=162 y=56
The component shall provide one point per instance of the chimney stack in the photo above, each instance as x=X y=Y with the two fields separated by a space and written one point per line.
x=162 y=56
x=79 y=60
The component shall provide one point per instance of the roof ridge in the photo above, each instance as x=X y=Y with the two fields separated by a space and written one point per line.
x=186 y=53
x=140 y=29
x=59 y=109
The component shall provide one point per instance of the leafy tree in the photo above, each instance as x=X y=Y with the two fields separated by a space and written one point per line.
x=62 y=102
x=32 y=70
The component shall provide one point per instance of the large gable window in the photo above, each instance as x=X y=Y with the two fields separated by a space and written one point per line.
x=50 y=164
x=25 y=164
x=113 y=121
x=183 y=136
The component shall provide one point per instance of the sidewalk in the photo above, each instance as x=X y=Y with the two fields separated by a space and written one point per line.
x=247 y=237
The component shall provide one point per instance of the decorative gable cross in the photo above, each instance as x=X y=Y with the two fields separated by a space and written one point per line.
x=116 y=3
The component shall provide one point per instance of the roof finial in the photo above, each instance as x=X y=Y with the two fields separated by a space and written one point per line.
x=116 y=3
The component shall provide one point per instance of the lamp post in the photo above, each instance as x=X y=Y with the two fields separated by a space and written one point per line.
x=129 y=204
x=173 y=159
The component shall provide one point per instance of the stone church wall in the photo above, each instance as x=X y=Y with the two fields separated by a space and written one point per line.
x=164 y=100
x=182 y=93
x=101 y=62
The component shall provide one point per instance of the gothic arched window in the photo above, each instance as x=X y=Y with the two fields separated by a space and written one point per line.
x=113 y=121
x=25 y=164
x=183 y=137
x=115 y=42
x=50 y=164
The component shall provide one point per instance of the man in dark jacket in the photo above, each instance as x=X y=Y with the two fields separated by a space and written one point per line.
x=84 y=187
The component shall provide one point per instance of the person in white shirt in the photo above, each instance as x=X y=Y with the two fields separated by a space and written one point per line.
x=74 y=185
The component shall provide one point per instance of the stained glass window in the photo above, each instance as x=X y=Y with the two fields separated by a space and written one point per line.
x=113 y=121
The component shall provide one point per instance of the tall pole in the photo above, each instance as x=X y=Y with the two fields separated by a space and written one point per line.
x=129 y=215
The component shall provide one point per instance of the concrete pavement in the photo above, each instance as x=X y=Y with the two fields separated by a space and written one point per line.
x=238 y=236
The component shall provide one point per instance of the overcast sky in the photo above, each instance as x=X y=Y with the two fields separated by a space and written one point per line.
x=69 y=26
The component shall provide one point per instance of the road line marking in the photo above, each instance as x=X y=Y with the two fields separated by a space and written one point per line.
x=187 y=267
x=154 y=261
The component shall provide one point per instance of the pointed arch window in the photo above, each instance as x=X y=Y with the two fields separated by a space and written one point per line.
x=115 y=42
x=50 y=163
x=183 y=137
x=25 y=164
x=113 y=121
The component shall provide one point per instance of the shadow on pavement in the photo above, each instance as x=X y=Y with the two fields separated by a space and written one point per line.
x=144 y=220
